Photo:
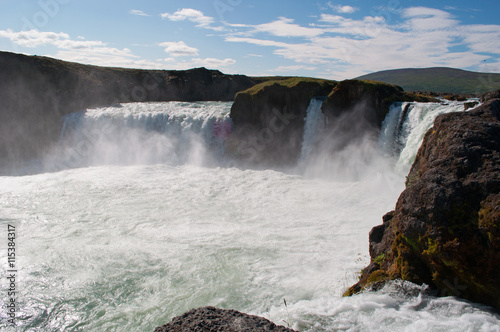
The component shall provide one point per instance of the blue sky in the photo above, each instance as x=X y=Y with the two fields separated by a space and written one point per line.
x=328 y=39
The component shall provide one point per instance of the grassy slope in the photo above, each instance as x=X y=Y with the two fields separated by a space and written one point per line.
x=438 y=80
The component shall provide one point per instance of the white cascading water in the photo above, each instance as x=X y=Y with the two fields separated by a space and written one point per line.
x=144 y=133
x=314 y=124
x=405 y=125
x=123 y=238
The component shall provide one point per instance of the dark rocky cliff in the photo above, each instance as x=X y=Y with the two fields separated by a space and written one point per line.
x=268 y=117
x=445 y=230
x=36 y=91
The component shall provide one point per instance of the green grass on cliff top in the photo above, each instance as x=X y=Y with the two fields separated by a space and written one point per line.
x=288 y=82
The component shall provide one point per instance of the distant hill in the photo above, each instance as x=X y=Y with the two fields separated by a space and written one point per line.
x=438 y=80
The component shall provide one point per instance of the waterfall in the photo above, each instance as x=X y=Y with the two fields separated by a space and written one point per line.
x=314 y=124
x=182 y=132
x=144 y=133
x=405 y=125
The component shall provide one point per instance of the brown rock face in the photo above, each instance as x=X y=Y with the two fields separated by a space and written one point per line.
x=210 y=319
x=445 y=230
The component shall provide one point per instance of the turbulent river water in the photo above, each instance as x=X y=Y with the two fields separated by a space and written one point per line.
x=138 y=216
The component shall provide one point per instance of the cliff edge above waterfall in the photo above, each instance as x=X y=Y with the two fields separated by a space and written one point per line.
x=36 y=91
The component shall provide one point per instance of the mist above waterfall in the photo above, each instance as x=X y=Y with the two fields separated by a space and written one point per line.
x=143 y=134
x=343 y=148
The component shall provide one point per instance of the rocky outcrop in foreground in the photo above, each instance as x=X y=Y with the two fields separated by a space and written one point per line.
x=210 y=319
x=445 y=230
x=36 y=91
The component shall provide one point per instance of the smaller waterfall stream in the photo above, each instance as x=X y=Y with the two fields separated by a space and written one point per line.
x=404 y=128
x=313 y=127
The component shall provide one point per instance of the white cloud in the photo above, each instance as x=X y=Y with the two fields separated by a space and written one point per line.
x=284 y=27
x=342 y=9
x=237 y=25
x=426 y=37
x=179 y=49
x=192 y=15
x=369 y=26
x=481 y=38
x=110 y=59
x=214 y=63
x=332 y=44
x=255 y=41
x=93 y=52
x=98 y=53
x=425 y=12
x=189 y=14
x=428 y=19
x=35 y=38
x=138 y=12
